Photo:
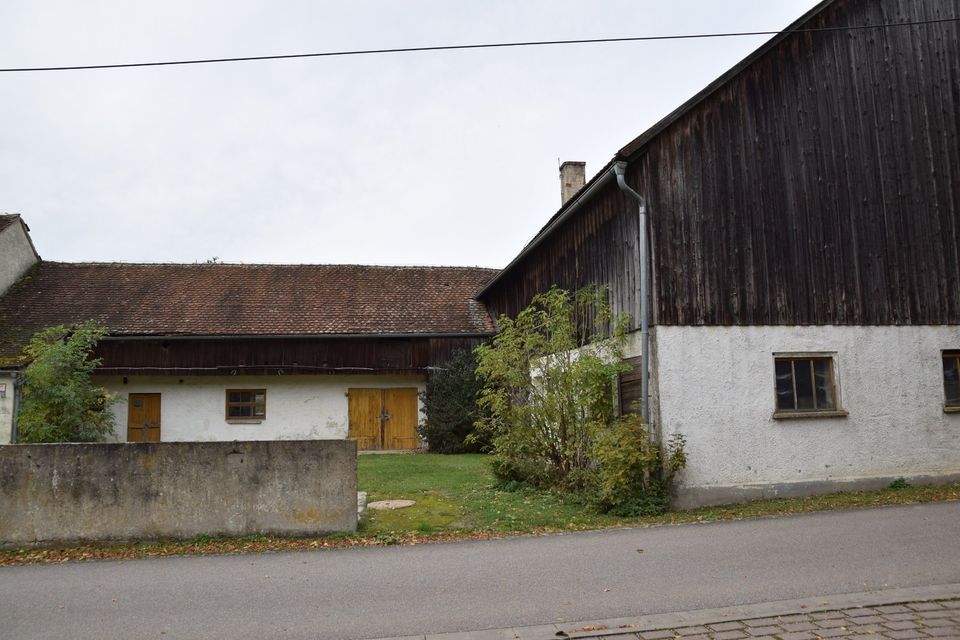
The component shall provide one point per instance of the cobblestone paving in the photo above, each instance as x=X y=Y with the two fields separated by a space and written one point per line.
x=908 y=621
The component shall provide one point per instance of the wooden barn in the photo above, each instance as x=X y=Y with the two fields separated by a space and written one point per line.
x=249 y=352
x=802 y=237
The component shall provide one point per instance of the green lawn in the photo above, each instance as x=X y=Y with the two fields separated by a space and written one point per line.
x=457 y=495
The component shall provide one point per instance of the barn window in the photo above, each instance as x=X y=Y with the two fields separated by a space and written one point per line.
x=806 y=386
x=246 y=404
x=951 y=380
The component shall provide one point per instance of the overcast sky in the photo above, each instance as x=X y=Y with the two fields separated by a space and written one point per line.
x=416 y=158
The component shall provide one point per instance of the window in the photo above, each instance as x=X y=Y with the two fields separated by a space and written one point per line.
x=246 y=404
x=806 y=386
x=951 y=380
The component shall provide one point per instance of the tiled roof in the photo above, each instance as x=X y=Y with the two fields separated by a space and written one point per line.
x=245 y=300
x=7 y=219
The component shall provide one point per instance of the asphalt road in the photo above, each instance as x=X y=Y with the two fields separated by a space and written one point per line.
x=390 y=591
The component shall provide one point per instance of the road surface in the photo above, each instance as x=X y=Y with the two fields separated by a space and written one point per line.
x=392 y=591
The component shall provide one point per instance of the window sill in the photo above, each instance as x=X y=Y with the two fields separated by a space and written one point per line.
x=796 y=415
x=244 y=421
x=951 y=408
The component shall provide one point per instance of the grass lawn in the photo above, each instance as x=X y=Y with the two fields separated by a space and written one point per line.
x=457 y=499
x=457 y=494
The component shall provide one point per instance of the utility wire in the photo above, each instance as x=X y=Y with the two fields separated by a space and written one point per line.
x=456 y=47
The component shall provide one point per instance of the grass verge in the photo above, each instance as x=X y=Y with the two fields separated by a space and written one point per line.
x=457 y=500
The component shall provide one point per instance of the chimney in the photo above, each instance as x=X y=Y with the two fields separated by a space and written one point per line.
x=572 y=178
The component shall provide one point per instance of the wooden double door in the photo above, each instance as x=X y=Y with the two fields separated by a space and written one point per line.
x=383 y=418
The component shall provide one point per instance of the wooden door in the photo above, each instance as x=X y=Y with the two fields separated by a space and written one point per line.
x=365 y=408
x=143 y=417
x=400 y=419
x=383 y=418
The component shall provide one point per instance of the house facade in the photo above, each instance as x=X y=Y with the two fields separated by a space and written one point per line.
x=199 y=352
x=803 y=223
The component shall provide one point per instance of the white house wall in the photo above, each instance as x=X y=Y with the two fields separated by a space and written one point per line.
x=16 y=255
x=6 y=407
x=715 y=385
x=298 y=407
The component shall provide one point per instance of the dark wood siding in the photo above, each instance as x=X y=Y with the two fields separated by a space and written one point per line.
x=820 y=185
x=630 y=387
x=598 y=246
x=284 y=356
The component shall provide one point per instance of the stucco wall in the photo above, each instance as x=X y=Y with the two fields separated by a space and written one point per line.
x=16 y=255
x=6 y=407
x=67 y=492
x=716 y=386
x=298 y=407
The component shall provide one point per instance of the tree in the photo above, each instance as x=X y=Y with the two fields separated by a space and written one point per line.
x=59 y=402
x=548 y=380
x=450 y=407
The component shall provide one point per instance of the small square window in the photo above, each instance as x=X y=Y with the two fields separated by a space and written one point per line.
x=806 y=386
x=246 y=404
x=951 y=380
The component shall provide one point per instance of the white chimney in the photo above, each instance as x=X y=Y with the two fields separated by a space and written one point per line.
x=573 y=175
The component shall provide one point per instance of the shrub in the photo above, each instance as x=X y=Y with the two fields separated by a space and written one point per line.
x=59 y=402
x=548 y=381
x=450 y=407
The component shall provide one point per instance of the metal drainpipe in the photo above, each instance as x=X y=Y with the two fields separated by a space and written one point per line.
x=620 y=169
x=16 y=407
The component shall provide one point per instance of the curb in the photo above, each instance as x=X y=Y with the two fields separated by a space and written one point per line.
x=618 y=626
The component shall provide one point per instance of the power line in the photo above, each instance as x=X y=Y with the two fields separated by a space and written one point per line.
x=457 y=47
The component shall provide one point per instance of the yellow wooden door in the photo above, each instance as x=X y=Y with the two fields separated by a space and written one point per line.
x=143 y=417
x=365 y=408
x=400 y=419
x=383 y=418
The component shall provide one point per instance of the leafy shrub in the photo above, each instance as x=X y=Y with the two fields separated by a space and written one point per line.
x=549 y=407
x=59 y=402
x=450 y=407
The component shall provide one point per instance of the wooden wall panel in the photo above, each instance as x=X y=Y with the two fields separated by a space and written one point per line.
x=279 y=356
x=821 y=185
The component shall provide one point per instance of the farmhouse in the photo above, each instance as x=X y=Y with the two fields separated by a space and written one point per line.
x=248 y=352
x=797 y=224
x=786 y=244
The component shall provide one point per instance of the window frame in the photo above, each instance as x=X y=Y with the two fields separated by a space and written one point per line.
x=837 y=411
x=945 y=355
x=253 y=417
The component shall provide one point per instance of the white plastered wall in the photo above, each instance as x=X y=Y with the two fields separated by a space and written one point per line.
x=16 y=255
x=298 y=407
x=716 y=386
x=6 y=407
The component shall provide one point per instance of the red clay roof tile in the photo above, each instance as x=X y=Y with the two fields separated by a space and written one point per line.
x=246 y=300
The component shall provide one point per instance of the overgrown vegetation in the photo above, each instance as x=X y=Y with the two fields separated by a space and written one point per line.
x=548 y=401
x=450 y=407
x=59 y=402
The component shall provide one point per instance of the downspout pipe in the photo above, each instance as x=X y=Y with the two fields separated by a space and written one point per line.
x=17 y=383
x=620 y=170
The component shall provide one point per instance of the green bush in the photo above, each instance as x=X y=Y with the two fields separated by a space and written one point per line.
x=450 y=407
x=548 y=382
x=59 y=402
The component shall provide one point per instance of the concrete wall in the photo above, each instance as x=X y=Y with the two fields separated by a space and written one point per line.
x=6 y=407
x=298 y=407
x=716 y=386
x=16 y=255
x=70 y=492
